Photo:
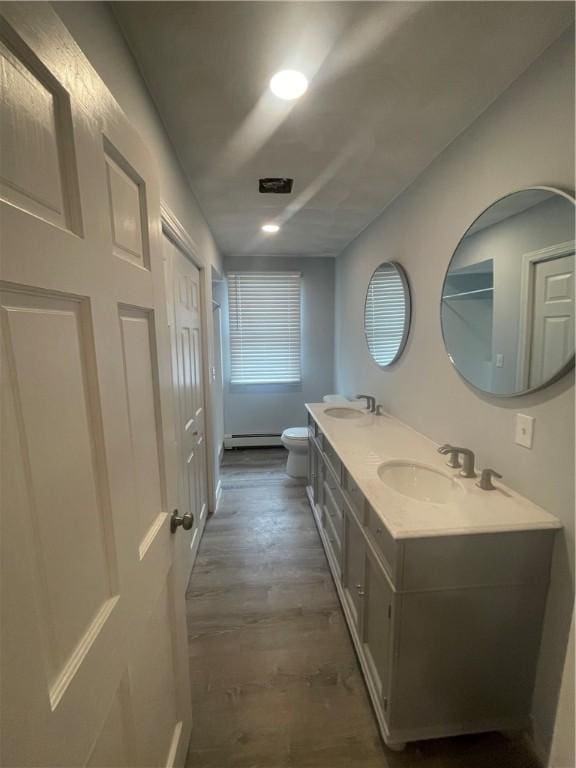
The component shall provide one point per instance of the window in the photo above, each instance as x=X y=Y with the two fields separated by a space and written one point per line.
x=264 y=309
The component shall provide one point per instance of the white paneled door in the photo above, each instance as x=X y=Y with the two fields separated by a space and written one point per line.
x=184 y=286
x=553 y=318
x=94 y=662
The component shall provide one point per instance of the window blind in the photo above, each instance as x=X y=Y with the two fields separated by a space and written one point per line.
x=264 y=319
x=385 y=314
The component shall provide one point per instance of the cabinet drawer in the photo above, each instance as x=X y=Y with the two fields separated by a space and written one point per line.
x=333 y=511
x=355 y=497
x=332 y=459
x=385 y=545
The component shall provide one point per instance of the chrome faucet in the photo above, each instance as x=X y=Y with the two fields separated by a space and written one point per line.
x=453 y=460
x=370 y=402
x=467 y=459
x=485 y=481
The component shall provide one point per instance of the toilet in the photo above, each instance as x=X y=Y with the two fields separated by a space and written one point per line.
x=295 y=440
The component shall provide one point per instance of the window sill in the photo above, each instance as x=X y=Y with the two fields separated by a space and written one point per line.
x=265 y=388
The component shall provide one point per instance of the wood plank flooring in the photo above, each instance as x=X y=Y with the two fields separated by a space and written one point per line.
x=275 y=680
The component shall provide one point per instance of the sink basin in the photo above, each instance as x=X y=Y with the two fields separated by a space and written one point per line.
x=344 y=413
x=418 y=481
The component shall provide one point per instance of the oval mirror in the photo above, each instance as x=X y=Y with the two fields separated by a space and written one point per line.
x=387 y=313
x=507 y=304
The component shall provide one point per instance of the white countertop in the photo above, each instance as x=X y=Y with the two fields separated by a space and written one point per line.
x=363 y=444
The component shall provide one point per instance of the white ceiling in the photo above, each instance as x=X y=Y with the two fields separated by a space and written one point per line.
x=392 y=83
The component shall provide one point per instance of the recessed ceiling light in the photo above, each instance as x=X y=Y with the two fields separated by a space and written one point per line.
x=270 y=228
x=288 y=84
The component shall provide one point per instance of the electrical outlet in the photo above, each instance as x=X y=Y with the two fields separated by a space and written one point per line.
x=524 y=430
x=499 y=361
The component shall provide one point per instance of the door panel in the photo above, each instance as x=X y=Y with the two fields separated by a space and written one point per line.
x=47 y=344
x=93 y=652
x=141 y=392
x=37 y=174
x=127 y=203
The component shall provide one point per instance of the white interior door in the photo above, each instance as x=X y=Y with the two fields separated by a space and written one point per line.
x=188 y=382
x=93 y=638
x=553 y=318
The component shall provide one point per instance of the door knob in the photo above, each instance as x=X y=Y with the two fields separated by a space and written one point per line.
x=176 y=520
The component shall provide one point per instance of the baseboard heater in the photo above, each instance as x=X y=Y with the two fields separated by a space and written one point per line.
x=260 y=440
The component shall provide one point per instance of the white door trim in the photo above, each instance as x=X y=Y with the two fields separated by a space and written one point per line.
x=173 y=229
x=529 y=261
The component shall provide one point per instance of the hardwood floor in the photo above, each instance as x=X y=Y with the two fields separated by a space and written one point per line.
x=275 y=681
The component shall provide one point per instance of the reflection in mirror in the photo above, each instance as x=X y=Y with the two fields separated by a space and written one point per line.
x=387 y=313
x=508 y=299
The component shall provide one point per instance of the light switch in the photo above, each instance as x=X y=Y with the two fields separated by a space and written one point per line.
x=499 y=361
x=524 y=430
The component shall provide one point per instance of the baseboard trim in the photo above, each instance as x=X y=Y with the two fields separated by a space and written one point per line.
x=252 y=441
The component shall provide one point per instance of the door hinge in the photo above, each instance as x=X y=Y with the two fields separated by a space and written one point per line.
x=385 y=704
x=389 y=611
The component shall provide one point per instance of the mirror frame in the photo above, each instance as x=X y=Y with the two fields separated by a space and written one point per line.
x=407 y=314
x=569 y=364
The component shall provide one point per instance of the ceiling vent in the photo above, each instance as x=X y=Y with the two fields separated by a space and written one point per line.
x=275 y=186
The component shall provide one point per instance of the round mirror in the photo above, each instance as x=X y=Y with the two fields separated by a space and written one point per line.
x=507 y=304
x=387 y=313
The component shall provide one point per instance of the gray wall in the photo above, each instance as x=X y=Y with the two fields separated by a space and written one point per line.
x=94 y=28
x=525 y=138
x=272 y=409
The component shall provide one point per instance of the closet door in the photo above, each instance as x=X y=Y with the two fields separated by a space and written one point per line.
x=187 y=376
x=93 y=644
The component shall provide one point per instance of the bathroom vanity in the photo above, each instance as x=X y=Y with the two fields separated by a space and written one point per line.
x=443 y=584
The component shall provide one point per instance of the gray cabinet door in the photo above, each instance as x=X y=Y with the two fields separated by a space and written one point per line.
x=377 y=626
x=314 y=470
x=354 y=558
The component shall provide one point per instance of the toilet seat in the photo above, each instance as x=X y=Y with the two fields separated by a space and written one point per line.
x=335 y=399
x=296 y=433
